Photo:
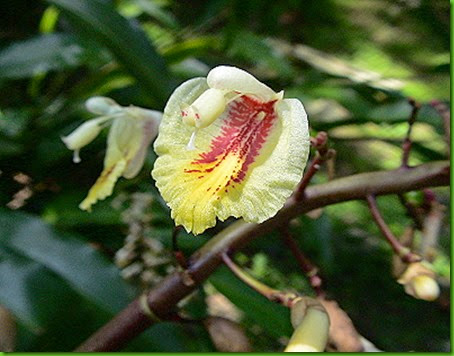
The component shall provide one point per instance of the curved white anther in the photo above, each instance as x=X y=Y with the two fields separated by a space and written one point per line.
x=235 y=79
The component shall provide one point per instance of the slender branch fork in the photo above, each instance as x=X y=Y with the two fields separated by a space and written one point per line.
x=308 y=268
x=285 y=298
x=403 y=252
x=162 y=299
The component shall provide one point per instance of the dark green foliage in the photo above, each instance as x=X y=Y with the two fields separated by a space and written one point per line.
x=359 y=63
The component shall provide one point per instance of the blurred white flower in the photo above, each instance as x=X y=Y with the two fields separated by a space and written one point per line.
x=131 y=132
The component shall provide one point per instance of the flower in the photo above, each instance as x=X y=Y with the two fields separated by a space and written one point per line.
x=132 y=130
x=238 y=149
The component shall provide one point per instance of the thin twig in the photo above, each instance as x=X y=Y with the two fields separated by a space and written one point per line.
x=431 y=230
x=163 y=298
x=413 y=211
x=406 y=144
x=403 y=252
x=308 y=268
x=444 y=112
x=178 y=254
x=284 y=298
x=320 y=143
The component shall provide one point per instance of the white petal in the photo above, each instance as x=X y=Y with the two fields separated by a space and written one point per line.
x=144 y=114
x=149 y=132
x=102 y=105
x=123 y=141
x=235 y=79
x=84 y=134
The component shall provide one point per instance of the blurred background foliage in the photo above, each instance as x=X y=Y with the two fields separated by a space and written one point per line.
x=65 y=272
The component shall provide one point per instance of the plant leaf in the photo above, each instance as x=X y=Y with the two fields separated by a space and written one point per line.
x=41 y=54
x=84 y=268
x=126 y=41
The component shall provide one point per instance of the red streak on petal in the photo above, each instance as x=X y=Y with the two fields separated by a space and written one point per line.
x=243 y=134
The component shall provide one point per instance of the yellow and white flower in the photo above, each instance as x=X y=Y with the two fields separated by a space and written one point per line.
x=132 y=130
x=228 y=145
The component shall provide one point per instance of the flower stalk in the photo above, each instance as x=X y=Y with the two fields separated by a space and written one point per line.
x=284 y=298
x=308 y=268
x=311 y=323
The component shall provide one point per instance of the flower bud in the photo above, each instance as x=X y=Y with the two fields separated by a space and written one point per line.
x=419 y=282
x=205 y=109
x=82 y=136
x=423 y=287
x=102 y=105
x=235 y=79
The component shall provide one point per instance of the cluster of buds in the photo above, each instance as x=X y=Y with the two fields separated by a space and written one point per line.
x=142 y=257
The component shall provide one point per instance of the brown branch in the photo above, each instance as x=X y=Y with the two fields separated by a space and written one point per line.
x=413 y=211
x=403 y=252
x=163 y=298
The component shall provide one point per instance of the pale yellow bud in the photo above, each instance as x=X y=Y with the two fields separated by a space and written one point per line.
x=423 y=287
x=82 y=136
x=234 y=79
x=419 y=281
x=102 y=105
x=205 y=109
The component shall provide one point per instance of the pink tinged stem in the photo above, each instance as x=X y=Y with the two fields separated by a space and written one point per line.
x=308 y=268
x=404 y=253
x=274 y=295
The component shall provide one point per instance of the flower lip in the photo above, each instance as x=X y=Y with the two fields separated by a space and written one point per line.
x=245 y=163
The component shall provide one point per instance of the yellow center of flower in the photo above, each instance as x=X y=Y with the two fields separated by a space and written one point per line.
x=223 y=168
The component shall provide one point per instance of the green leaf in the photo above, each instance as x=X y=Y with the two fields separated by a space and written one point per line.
x=39 y=55
x=44 y=306
x=23 y=286
x=172 y=337
x=127 y=42
x=272 y=317
x=156 y=11
x=83 y=267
